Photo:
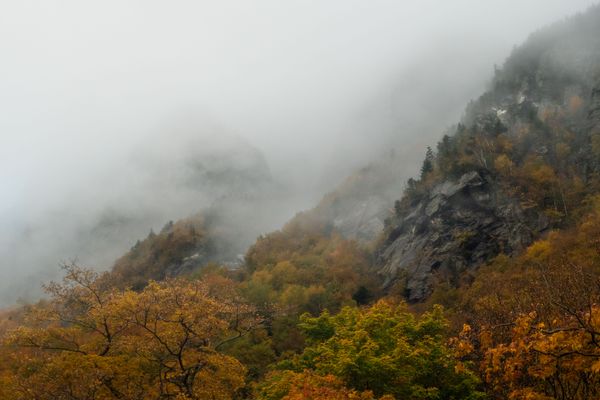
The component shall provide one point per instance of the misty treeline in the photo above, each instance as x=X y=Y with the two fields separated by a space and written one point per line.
x=307 y=320
x=103 y=143
x=308 y=314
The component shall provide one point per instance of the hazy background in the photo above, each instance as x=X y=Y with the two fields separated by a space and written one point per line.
x=107 y=106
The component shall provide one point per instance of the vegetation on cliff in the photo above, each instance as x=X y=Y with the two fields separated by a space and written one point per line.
x=485 y=282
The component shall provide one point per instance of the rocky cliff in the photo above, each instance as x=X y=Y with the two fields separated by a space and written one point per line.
x=459 y=225
x=525 y=154
x=358 y=207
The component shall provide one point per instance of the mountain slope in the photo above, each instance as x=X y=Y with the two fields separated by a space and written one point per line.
x=523 y=160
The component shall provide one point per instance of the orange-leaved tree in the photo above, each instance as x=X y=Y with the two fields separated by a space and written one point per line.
x=92 y=341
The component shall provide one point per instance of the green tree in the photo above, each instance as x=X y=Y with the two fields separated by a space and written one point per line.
x=427 y=166
x=387 y=350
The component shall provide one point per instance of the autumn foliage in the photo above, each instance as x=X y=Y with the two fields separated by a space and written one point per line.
x=383 y=350
x=535 y=319
x=92 y=341
x=307 y=316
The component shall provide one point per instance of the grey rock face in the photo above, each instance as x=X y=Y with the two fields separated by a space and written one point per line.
x=457 y=227
x=358 y=207
x=364 y=219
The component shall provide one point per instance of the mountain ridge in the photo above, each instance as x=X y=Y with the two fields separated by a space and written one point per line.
x=516 y=166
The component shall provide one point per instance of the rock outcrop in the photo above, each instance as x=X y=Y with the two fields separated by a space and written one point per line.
x=458 y=226
x=522 y=151
x=358 y=207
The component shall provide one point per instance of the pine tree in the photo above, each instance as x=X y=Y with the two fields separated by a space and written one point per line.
x=427 y=166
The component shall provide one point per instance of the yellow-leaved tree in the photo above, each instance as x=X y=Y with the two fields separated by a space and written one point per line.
x=92 y=341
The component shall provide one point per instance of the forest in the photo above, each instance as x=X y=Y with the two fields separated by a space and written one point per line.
x=507 y=308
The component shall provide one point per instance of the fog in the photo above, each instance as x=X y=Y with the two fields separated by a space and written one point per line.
x=105 y=105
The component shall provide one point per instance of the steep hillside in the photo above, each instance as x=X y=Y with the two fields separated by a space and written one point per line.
x=199 y=170
x=524 y=159
x=358 y=207
x=496 y=247
x=178 y=248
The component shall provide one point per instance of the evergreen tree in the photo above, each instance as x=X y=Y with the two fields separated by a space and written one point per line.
x=427 y=166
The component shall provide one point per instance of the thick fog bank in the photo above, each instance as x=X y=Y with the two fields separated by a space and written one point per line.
x=120 y=116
